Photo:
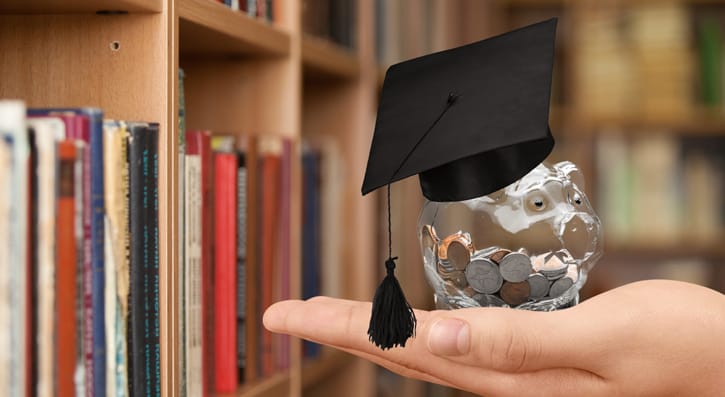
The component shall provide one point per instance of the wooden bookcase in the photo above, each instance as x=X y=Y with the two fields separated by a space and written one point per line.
x=243 y=76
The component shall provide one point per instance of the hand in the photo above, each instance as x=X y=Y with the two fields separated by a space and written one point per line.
x=651 y=338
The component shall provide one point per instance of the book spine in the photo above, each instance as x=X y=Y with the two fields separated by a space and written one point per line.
x=225 y=272
x=285 y=214
x=192 y=278
x=310 y=237
x=252 y=317
x=66 y=272
x=143 y=163
x=241 y=268
x=269 y=202
x=97 y=249
x=181 y=233
x=207 y=262
x=31 y=244
x=81 y=240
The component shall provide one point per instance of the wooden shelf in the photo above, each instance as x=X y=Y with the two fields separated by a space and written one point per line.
x=276 y=385
x=702 y=121
x=78 y=6
x=322 y=58
x=331 y=360
x=674 y=249
x=210 y=28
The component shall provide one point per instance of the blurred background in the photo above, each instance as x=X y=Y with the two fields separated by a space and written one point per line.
x=637 y=104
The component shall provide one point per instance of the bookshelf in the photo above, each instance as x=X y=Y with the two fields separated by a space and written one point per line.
x=243 y=77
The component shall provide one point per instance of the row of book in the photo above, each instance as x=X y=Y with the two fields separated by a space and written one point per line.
x=660 y=188
x=79 y=266
x=640 y=61
x=260 y=9
x=237 y=261
x=335 y=20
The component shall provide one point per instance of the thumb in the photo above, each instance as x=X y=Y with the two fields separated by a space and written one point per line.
x=510 y=340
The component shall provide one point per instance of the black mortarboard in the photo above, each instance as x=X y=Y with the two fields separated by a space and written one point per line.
x=469 y=121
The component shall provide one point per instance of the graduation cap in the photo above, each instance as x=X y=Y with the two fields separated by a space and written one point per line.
x=468 y=121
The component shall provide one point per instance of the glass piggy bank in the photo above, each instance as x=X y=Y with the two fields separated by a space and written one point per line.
x=529 y=245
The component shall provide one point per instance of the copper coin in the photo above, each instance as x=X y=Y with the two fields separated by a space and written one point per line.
x=515 y=293
x=457 y=278
x=498 y=255
x=459 y=255
x=515 y=267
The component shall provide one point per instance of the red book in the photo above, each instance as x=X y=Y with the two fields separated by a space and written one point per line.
x=66 y=291
x=271 y=164
x=199 y=142
x=225 y=263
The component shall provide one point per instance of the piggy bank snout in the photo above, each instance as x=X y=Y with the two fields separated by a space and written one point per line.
x=579 y=234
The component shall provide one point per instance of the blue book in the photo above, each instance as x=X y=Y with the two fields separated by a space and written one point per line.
x=95 y=379
x=310 y=235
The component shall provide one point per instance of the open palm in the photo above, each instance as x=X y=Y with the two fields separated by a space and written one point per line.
x=651 y=338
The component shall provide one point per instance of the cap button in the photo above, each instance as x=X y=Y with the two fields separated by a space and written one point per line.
x=452 y=97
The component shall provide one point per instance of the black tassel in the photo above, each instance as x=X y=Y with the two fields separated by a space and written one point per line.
x=393 y=320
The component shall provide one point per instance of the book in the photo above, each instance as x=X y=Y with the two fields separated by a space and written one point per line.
x=192 y=269
x=13 y=131
x=81 y=237
x=284 y=259
x=181 y=224
x=199 y=142
x=225 y=262
x=310 y=236
x=66 y=256
x=48 y=131
x=241 y=267
x=31 y=275
x=252 y=319
x=270 y=150
x=86 y=124
x=116 y=179
x=145 y=349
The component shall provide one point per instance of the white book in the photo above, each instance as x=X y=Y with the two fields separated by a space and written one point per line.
x=116 y=187
x=13 y=130
x=192 y=265
x=48 y=131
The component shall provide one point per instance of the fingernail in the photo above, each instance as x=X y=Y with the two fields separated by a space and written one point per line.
x=449 y=337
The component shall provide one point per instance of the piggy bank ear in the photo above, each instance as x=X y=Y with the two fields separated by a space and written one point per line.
x=572 y=172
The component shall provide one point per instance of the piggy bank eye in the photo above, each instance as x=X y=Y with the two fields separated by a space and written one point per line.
x=577 y=198
x=536 y=203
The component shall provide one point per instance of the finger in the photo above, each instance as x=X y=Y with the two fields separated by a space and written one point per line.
x=343 y=324
x=399 y=369
x=512 y=341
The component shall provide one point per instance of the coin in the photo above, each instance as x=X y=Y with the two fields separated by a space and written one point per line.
x=458 y=255
x=539 y=285
x=498 y=255
x=487 y=300
x=457 y=250
x=515 y=267
x=560 y=286
x=554 y=268
x=444 y=267
x=515 y=293
x=483 y=276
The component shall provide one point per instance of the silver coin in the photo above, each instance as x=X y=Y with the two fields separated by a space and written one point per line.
x=553 y=268
x=515 y=267
x=488 y=300
x=539 y=286
x=483 y=276
x=560 y=286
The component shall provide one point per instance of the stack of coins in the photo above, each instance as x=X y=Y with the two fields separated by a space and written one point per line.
x=497 y=276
